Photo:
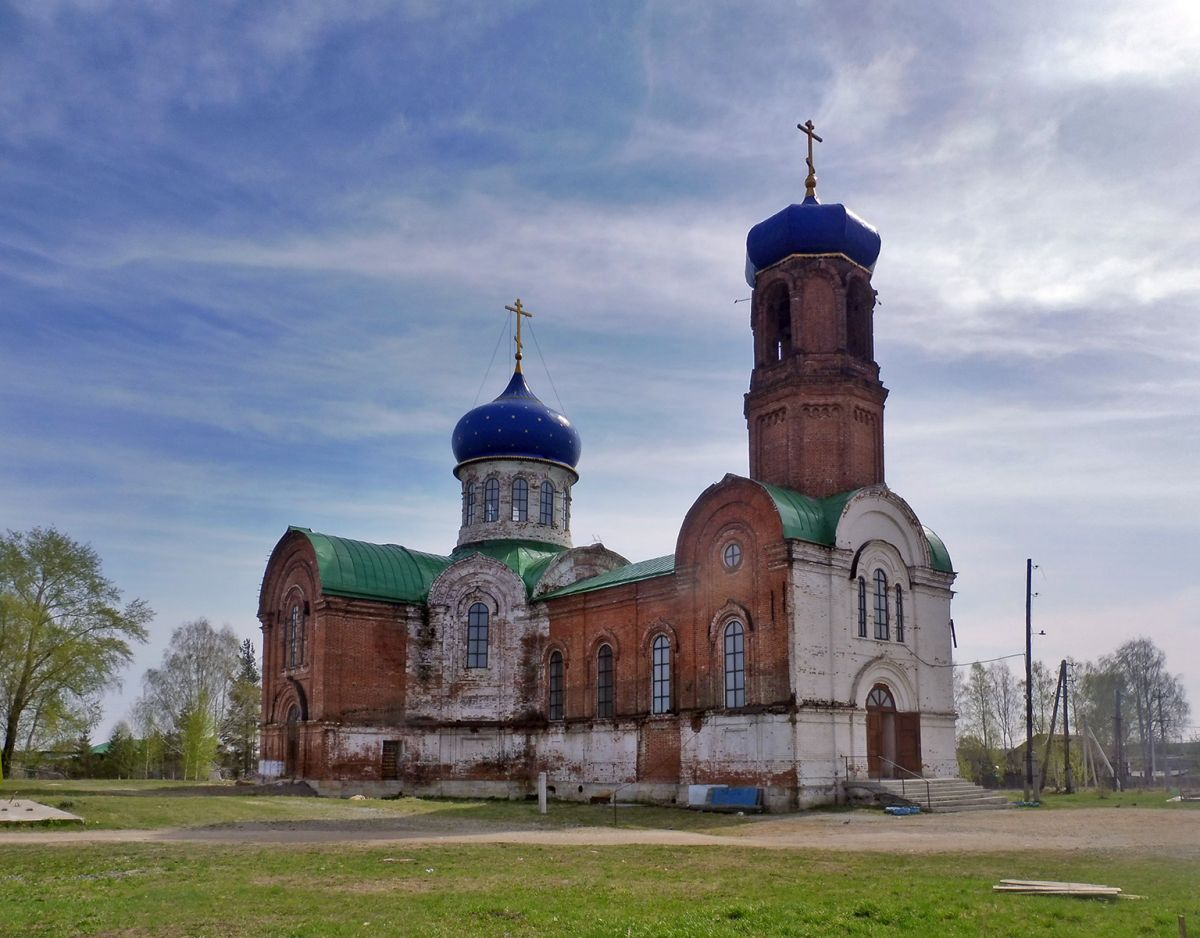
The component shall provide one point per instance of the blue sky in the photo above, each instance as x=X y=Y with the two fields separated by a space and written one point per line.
x=254 y=259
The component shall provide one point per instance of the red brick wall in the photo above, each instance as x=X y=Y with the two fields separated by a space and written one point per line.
x=355 y=650
x=815 y=418
x=691 y=606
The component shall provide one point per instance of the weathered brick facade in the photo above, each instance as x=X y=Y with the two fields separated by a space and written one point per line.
x=798 y=637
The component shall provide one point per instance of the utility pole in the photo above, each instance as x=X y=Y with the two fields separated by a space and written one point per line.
x=1028 y=679
x=1162 y=728
x=1119 y=774
x=1067 y=729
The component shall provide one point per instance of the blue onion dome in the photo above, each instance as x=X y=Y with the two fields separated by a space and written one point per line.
x=518 y=425
x=810 y=228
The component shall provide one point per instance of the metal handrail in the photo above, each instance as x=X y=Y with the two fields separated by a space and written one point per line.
x=917 y=775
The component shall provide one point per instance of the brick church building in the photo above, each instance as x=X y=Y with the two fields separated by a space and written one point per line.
x=798 y=638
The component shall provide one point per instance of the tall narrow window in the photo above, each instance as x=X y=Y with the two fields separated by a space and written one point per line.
x=556 y=685
x=735 y=665
x=862 y=608
x=469 y=503
x=604 y=682
x=477 y=636
x=899 y=613
x=546 y=515
x=660 y=682
x=491 y=500
x=303 y=633
x=881 y=606
x=566 y=509
x=520 y=500
x=294 y=637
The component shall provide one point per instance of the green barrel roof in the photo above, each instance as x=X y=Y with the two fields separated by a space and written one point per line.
x=373 y=571
x=527 y=559
x=937 y=550
x=816 y=519
x=643 y=570
x=397 y=574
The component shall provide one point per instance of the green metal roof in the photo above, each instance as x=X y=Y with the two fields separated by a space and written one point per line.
x=373 y=571
x=805 y=518
x=816 y=519
x=937 y=550
x=634 y=572
x=527 y=559
x=397 y=574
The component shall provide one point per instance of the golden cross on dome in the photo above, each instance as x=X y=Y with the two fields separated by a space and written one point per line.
x=520 y=311
x=810 y=184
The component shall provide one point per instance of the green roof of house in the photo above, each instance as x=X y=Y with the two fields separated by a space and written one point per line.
x=634 y=572
x=393 y=573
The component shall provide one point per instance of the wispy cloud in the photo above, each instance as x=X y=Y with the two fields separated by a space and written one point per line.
x=252 y=258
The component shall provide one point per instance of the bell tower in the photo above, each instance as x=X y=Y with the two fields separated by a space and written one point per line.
x=815 y=405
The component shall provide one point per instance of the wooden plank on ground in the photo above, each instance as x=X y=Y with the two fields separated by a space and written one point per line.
x=1043 y=887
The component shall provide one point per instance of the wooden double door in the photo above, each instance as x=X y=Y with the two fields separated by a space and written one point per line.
x=893 y=738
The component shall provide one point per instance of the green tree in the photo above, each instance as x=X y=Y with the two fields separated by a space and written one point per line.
x=240 y=730
x=188 y=696
x=122 y=756
x=83 y=760
x=64 y=634
x=151 y=739
x=198 y=738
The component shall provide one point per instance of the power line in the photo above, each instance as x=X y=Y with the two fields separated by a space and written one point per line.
x=487 y=373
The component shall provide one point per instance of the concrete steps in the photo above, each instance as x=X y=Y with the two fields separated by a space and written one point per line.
x=941 y=795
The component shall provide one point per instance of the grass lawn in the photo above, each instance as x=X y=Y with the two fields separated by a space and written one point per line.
x=354 y=889
x=1132 y=798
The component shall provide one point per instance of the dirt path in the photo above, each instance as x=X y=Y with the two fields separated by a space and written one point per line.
x=1116 y=830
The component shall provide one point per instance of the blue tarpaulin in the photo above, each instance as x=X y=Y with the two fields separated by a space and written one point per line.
x=746 y=799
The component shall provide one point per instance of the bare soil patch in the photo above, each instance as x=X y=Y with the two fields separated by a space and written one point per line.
x=1121 y=831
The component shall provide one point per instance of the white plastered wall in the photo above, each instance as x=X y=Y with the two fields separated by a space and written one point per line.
x=833 y=669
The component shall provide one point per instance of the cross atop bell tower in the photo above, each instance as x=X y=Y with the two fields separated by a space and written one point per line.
x=814 y=410
x=810 y=182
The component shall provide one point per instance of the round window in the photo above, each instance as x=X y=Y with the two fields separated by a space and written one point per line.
x=733 y=555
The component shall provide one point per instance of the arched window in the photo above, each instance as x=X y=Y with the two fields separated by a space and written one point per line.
x=469 y=503
x=899 y=613
x=294 y=637
x=605 y=682
x=880 y=698
x=567 y=509
x=735 y=665
x=477 y=636
x=546 y=515
x=778 y=316
x=881 y=606
x=860 y=301
x=862 y=608
x=520 y=500
x=491 y=500
x=660 y=681
x=556 y=685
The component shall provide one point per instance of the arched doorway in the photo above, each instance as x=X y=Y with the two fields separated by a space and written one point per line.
x=291 y=764
x=881 y=732
x=893 y=738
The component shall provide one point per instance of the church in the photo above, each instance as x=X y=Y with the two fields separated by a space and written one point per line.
x=797 y=640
